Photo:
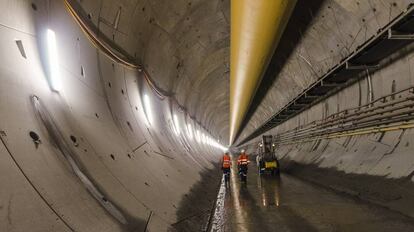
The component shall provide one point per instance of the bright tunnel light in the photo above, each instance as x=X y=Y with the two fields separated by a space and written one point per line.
x=204 y=138
x=54 y=72
x=148 y=110
x=218 y=145
x=207 y=139
x=176 y=125
x=215 y=143
x=189 y=131
x=198 y=136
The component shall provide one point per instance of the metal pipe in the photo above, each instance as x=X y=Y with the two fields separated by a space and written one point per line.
x=256 y=28
x=380 y=120
x=402 y=126
x=375 y=116
x=344 y=115
x=385 y=113
x=329 y=131
x=370 y=90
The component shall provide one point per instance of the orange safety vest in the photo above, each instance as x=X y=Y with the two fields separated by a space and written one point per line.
x=243 y=160
x=226 y=161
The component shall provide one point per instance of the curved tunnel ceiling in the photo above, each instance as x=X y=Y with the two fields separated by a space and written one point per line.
x=182 y=45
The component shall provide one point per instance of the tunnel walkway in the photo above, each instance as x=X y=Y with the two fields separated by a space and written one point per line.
x=286 y=203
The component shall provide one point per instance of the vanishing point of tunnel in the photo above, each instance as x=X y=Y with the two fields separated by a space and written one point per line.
x=207 y=115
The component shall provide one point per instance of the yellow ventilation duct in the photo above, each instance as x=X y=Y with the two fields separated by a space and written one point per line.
x=256 y=28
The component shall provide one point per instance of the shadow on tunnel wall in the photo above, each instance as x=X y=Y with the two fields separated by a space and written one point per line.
x=196 y=206
x=299 y=22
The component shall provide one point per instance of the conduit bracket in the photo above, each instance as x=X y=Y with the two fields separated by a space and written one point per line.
x=311 y=96
x=392 y=34
x=350 y=66
x=329 y=84
x=299 y=104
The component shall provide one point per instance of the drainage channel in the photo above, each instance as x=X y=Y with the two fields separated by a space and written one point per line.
x=217 y=220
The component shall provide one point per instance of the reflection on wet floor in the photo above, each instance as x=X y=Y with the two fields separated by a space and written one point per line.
x=270 y=189
x=285 y=203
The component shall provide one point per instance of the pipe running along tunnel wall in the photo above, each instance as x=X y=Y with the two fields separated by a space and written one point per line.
x=89 y=142
x=256 y=28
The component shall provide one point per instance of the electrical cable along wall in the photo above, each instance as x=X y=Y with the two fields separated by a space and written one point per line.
x=391 y=112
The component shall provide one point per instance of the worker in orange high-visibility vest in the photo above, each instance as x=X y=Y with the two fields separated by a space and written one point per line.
x=226 y=162
x=243 y=159
x=242 y=163
x=225 y=166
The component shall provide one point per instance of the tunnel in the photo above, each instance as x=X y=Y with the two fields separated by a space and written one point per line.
x=115 y=115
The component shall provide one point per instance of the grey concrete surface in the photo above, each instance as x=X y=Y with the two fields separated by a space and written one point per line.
x=377 y=167
x=148 y=173
x=285 y=203
x=184 y=45
x=328 y=34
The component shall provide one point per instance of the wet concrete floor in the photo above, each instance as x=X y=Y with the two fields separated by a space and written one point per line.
x=286 y=203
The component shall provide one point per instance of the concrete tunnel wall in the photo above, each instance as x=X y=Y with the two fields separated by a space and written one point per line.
x=377 y=167
x=133 y=175
x=328 y=31
x=183 y=45
x=146 y=174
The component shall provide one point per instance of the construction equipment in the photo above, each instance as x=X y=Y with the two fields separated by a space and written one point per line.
x=266 y=159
